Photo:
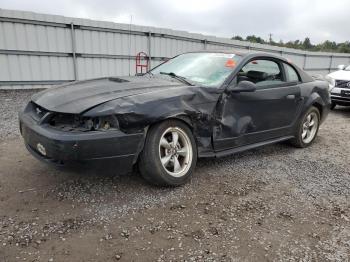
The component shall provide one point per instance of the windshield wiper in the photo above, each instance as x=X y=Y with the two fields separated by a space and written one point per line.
x=181 y=78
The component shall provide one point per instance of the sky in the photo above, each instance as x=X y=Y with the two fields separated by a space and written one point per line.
x=285 y=19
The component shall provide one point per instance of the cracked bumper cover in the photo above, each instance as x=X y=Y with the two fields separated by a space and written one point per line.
x=61 y=147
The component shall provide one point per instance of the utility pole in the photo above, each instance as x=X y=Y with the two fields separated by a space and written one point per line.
x=130 y=45
x=270 y=38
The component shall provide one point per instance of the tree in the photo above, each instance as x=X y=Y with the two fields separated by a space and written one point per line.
x=255 y=39
x=326 y=46
x=307 y=44
x=344 y=47
x=237 y=37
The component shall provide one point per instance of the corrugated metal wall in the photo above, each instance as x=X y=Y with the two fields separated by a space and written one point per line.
x=38 y=50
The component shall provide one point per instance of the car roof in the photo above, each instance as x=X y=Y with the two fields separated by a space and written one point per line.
x=225 y=51
x=249 y=54
x=239 y=52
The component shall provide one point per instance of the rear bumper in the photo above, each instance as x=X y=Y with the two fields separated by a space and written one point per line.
x=61 y=147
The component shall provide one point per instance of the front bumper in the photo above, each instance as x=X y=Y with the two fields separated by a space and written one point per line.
x=62 y=147
x=340 y=96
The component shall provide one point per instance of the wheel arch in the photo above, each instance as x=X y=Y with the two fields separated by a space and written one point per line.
x=319 y=107
x=180 y=117
x=316 y=100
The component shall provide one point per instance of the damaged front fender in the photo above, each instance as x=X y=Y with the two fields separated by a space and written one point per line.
x=194 y=105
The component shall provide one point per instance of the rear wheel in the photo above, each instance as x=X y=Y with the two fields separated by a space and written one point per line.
x=307 y=128
x=169 y=155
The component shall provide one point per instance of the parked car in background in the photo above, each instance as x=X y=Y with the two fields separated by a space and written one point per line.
x=197 y=104
x=339 y=86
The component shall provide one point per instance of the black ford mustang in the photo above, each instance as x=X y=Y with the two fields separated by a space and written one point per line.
x=198 y=104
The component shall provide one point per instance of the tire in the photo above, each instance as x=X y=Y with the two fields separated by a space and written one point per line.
x=178 y=162
x=333 y=105
x=301 y=138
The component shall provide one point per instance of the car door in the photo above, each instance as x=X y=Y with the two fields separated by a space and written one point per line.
x=267 y=113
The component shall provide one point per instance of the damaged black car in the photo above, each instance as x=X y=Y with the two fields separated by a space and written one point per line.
x=195 y=105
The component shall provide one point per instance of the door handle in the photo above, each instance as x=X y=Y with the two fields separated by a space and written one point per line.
x=290 y=96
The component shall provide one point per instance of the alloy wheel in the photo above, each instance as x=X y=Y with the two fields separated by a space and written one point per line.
x=310 y=127
x=175 y=151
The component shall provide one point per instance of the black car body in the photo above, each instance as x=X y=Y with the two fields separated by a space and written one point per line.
x=223 y=119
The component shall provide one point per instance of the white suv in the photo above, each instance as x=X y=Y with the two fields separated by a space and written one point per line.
x=339 y=86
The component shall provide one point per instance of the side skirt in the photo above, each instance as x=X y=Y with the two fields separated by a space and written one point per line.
x=246 y=147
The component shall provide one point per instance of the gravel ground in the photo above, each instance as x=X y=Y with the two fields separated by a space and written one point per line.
x=11 y=102
x=276 y=203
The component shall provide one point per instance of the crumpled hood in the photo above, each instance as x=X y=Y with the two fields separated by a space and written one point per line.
x=340 y=75
x=77 y=97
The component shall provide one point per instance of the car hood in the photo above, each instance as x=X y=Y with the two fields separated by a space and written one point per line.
x=79 y=96
x=340 y=75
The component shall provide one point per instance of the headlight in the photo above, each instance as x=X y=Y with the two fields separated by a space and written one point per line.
x=101 y=123
x=331 y=82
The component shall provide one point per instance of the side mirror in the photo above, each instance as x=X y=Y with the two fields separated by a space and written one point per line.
x=243 y=86
x=341 y=67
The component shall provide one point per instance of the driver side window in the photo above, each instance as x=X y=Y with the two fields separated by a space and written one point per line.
x=261 y=72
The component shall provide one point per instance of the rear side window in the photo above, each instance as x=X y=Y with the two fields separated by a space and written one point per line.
x=262 y=72
x=291 y=74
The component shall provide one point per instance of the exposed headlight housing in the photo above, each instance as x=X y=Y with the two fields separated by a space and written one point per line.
x=77 y=123
x=331 y=82
x=101 y=123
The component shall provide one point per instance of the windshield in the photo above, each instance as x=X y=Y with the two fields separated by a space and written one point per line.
x=347 y=68
x=208 y=69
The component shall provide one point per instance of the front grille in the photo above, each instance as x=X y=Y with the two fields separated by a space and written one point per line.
x=342 y=83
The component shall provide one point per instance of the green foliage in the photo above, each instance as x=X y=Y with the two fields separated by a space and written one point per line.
x=237 y=37
x=326 y=46
x=255 y=39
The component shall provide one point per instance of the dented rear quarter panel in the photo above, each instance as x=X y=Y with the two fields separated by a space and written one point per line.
x=316 y=93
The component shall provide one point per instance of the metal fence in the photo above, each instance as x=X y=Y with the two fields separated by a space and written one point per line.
x=38 y=50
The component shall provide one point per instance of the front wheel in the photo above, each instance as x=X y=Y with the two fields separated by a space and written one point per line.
x=169 y=155
x=307 y=129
